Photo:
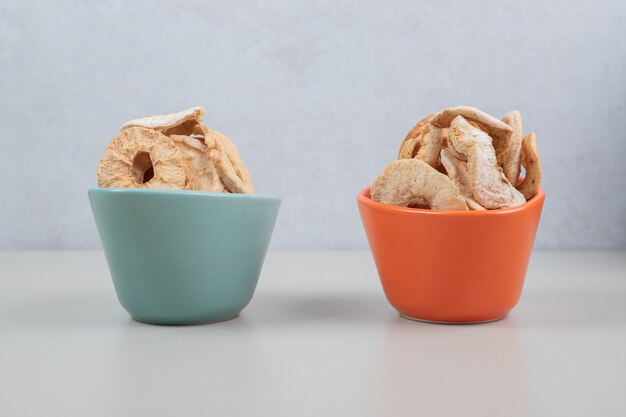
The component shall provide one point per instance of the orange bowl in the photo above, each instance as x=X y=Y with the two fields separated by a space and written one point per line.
x=451 y=266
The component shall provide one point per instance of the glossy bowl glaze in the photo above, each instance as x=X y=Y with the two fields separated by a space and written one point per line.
x=451 y=266
x=183 y=257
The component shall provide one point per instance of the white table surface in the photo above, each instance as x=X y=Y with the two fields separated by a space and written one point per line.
x=318 y=339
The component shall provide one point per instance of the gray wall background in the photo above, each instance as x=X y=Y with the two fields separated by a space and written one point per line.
x=317 y=95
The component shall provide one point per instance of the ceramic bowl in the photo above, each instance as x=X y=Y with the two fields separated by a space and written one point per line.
x=183 y=257
x=451 y=266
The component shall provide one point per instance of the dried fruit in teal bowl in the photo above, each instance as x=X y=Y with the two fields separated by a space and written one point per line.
x=183 y=257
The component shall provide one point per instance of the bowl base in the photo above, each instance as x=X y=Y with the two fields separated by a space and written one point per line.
x=192 y=323
x=453 y=322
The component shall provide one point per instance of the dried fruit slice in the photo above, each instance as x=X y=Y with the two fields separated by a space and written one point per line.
x=510 y=159
x=422 y=142
x=448 y=145
x=181 y=123
x=200 y=172
x=532 y=164
x=141 y=158
x=413 y=133
x=235 y=159
x=489 y=186
x=457 y=172
x=227 y=161
x=414 y=183
x=497 y=129
x=407 y=147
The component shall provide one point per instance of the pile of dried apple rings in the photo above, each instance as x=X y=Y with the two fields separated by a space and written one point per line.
x=462 y=158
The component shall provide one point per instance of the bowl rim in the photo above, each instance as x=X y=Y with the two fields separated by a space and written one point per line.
x=182 y=193
x=363 y=197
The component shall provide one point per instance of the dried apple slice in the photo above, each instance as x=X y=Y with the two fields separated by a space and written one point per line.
x=499 y=131
x=180 y=123
x=510 y=159
x=141 y=158
x=200 y=172
x=414 y=183
x=227 y=161
x=457 y=172
x=490 y=187
x=532 y=164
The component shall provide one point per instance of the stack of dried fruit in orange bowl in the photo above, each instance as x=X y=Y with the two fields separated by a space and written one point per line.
x=462 y=159
x=176 y=152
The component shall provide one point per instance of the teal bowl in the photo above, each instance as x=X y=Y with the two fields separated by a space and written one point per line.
x=183 y=257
